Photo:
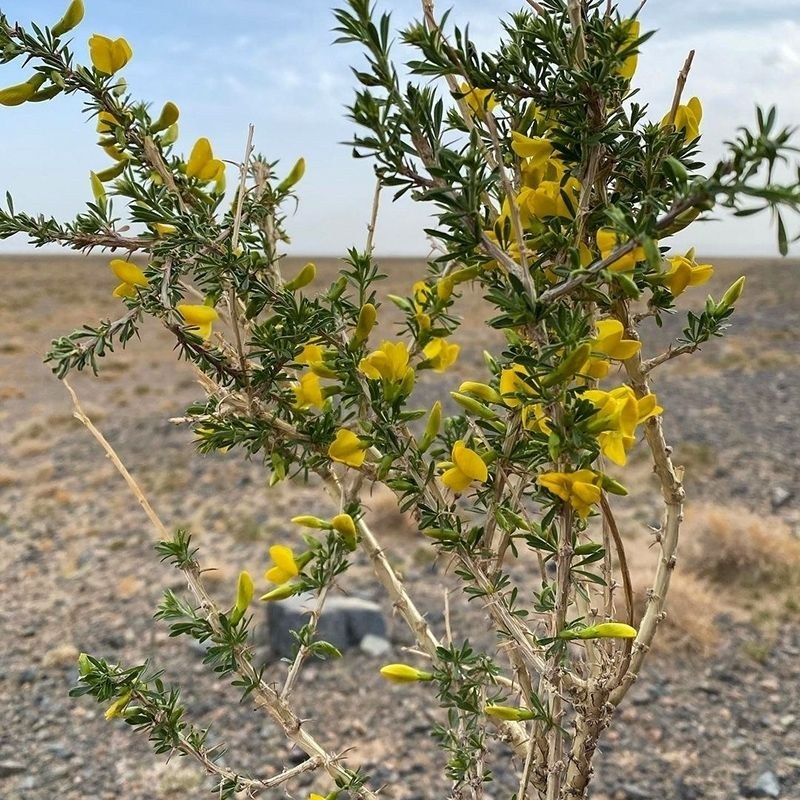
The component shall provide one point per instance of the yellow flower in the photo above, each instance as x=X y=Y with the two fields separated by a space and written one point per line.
x=467 y=466
x=440 y=354
x=402 y=673
x=512 y=384
x=537 y=149
x=163 y=229
x=347 y=448
x=106 y=122
x=124 y=290
x=610 y=343
x=389 y=363
x=547 y=199
x=608 y=240
x=284 y=567
x=534 y=418
x=580 y=489
x=200 y=318
x=685 y=271
x=128 y=273
x=687 y=119
x=422 y=294
x=202 y=164
x=312 y=353
x=619 y=413
x=109 y=55
x=628 y=67
x=479 y=100
x=308 y=392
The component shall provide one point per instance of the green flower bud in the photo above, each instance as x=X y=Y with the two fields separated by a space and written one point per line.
x=473 y=406
x=303 y=278
x=732 y=295
x=509 y=713
x=432 y=427
x=569 y=367
x=296 y=174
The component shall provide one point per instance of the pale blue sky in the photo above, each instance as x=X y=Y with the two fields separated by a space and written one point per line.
x=271 y=62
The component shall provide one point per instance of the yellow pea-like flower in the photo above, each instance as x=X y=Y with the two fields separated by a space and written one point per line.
x=164 y=229
x=284 y=566
x=199 y=318
x=124 y=290
x=441 y=354
x=467 y=466
x=73 y=17
x=348 y=449
x=388 y=363
x=128 y=272
x=308 y=392
x=609 y=341
x=684 y=272
x=535 y=148
x=628 y=67
x=202 y=164
x=403 y=673
x=687 y=119
x=98 y=190
x=608 y=240
x=580 y=489
x=480 y=101
x=513 y=384
x=109 y=55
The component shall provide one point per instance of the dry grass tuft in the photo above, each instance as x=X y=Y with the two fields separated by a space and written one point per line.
x=735 y=548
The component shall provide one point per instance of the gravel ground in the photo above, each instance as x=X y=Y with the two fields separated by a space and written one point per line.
x=79 y=574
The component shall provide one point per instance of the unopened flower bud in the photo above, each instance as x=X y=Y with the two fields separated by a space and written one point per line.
x=303 y=278
x=367 y=318
x=345 y=526
x=473 y=406
x=733 y=293
x=481 y=390
x=73 y=17
x=508 y=713
x=168 y=116
x=402 y=673
x=432 y=427
x=296 y=174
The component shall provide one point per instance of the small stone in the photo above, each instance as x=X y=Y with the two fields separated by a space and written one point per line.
x=780 y=497
x=631 y=791
x=374 y=646
x=766 y=785
x=8 y=768
x=27 y=675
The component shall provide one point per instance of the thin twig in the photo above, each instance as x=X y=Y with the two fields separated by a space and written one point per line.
x=265 y=696
x=679 y=85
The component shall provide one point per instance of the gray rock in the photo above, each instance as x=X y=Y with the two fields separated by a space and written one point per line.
x=374 y=646
x=766 y=785
x=780 y=497
x=8 y=768
x=345 y=621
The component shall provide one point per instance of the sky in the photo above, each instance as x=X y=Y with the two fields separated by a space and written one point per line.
x=228 y=63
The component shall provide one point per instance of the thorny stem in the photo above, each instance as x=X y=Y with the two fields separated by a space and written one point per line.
x=265 y=696
x=679 y=86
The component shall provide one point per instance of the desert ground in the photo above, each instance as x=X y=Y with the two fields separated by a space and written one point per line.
x=716 y=713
